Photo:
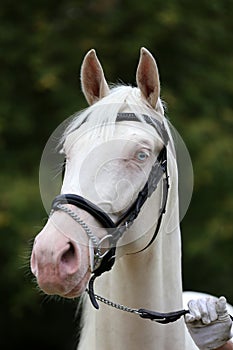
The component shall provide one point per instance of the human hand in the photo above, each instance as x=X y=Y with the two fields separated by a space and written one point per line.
x=208 y=322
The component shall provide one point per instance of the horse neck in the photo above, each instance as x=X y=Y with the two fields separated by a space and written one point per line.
x=150 y=279
x=142 y=280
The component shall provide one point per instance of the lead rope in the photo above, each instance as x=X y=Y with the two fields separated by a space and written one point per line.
x=158 y=317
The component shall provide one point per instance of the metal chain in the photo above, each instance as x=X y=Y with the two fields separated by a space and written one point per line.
x=116 y=305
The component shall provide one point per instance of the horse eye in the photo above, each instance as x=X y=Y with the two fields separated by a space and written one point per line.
x=141 y=156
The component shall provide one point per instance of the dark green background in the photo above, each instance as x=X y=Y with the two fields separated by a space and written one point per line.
x=42 y=44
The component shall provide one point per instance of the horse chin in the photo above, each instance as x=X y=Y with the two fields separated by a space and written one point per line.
x=79 y=289
x=65 y=288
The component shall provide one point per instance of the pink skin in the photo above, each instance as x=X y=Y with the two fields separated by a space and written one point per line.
x=60 y=256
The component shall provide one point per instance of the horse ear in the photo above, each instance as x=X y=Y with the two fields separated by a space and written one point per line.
x=148 y=77
x=94 y=85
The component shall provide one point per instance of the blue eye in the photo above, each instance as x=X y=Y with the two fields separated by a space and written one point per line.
x=142 y=155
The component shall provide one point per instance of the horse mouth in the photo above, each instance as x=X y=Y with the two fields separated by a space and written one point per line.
x=79 y=288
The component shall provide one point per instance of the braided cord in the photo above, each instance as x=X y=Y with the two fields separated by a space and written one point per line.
x=88 y=231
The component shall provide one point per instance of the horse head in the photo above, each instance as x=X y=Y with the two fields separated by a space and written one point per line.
x=110 y=150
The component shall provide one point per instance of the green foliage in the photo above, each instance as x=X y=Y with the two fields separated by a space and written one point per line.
x=42 y=46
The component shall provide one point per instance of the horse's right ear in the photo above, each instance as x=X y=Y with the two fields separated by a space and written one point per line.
x=94 y=85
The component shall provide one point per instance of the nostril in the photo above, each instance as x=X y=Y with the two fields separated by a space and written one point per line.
x=69 y=259
x=69 y=254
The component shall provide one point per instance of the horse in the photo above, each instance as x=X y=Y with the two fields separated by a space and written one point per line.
x=115 y=227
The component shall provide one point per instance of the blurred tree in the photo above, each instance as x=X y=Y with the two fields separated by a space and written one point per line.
x=42 y=46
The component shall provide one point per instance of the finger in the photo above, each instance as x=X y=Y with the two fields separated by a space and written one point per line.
x=194 y=310
x=189 y=318
x=211 y=307
x=221 y=307
x=202 y=305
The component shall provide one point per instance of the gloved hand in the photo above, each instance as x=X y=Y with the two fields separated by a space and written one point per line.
x=208 y=322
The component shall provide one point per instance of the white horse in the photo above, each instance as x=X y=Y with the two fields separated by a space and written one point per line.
x=110 y=149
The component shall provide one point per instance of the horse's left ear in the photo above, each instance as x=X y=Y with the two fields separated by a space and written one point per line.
x=148 y=77
x=94 y=85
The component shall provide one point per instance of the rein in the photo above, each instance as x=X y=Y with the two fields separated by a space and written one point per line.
x=104 y=262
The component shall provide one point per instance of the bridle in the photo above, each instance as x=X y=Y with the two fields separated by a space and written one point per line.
x=103 y=262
